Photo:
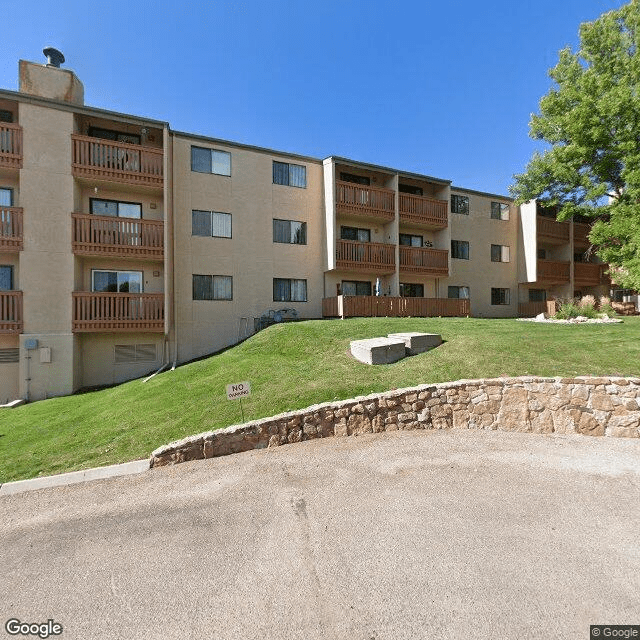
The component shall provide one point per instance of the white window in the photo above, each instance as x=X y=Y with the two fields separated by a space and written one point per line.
x=116 y=281
x=115 y=208
x=292 y=175
x=289 y=290
x=499 y=211
x=458 y=292
x=211 y=223
x=6 y=197
x=207 y=287
x=500 y=296
x=210 y=161
x=289 y=231
x=499 y=253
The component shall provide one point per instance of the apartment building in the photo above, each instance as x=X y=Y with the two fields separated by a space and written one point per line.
x=125 y=245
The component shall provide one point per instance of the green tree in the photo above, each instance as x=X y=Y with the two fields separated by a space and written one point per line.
x=591 y=121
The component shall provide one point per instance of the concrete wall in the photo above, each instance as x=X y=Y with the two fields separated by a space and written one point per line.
x=250 y=256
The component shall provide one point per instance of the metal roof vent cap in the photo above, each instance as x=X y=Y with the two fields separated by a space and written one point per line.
x=54 y=57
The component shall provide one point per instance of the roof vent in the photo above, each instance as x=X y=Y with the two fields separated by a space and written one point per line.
x=54 y=57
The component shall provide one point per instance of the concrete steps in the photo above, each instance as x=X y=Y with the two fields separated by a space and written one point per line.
x=394 y=347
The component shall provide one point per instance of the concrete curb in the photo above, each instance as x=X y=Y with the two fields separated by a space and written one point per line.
x=74 y=477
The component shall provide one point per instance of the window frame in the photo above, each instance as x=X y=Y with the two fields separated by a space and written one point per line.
x=455 y=204
x=458 y=244
x=11 y=271
x=303 y=226
x=212 y=152
x=354 y=178
x=411 y=285
x=357 y=230
x=458 y=291
x=92 y=132
x=536 y=292
x=117 y=272
x=503 y=253
x=290 y=281
x=211 y=234
x=6 y=116
x=502 y=291
x=356 y=283
x=274 y=174
x=212 y=287
x=498 y=209
x=10 y=191
x=411 y=237
x=117 y=203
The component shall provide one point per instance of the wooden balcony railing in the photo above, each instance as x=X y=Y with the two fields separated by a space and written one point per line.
x=552 y=230
x=356 y=199
x=365 y=256
x=553 y=271
x=387 y=306
x=116 y=161
x=581 y=233
x=532 y=309
x=423 y=211
x=115 y=312
x=589 y=275
x=10 y=311
x=108 y=236
x=10 y=145
x=426 y=261
x=10 y=229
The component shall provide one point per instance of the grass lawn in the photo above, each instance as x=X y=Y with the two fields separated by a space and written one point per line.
x=291 y=366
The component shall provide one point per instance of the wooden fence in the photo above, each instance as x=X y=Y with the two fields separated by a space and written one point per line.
x=388 y=306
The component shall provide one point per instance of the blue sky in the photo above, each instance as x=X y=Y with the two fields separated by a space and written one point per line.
x=441 y=88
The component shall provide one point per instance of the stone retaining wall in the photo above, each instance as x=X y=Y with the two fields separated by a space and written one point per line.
x=589 y=406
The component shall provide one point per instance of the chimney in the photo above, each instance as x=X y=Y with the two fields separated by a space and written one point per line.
x=49 y=80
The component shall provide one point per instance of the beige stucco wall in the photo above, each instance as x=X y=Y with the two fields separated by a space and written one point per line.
x=479 y=273
x=9 y=371
x=250 y=256
x=46 y=273
x=97 y=352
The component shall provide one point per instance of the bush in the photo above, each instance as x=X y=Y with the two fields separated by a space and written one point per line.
x=573 y=308
x=605 y=306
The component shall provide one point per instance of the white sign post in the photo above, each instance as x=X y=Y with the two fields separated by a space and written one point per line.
x=238 y=391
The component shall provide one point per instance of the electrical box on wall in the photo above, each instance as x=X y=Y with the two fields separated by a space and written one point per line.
x=45 y=354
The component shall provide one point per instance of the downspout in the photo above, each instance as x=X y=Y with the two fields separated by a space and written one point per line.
x=172 y=279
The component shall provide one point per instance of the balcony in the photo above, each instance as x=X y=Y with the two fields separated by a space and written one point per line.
x=394 y=307
x=99 y=159
x=10 y=145
x=10 y=229
x=581 y=233
x=587 y=274
x=553 y=271
x=423 y=212
x=552 y=231
x=117 y=237
x=116 y=312
x=10 y=312
x=365 y=256
x=433 y=262
x=364 y=201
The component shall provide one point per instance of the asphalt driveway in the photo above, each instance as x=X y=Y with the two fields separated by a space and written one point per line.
x=452 y=534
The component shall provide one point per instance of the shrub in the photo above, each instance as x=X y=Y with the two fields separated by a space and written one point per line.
x=587 y=301
x=573 y=308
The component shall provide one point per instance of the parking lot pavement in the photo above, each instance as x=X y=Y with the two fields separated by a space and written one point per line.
x=417 y=534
